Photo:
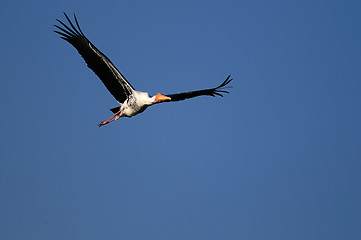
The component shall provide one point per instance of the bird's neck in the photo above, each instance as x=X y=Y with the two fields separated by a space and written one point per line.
x=143 y=98
x=152 y=99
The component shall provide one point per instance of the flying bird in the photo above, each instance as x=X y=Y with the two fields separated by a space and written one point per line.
x=132 y=102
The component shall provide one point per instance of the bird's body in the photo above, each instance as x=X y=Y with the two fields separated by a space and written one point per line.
x=132 y=102
x=136 y=103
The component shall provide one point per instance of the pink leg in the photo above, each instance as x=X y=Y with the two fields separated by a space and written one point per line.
x=110 y=119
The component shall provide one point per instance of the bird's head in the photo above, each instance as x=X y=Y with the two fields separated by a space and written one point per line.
x=161 y=98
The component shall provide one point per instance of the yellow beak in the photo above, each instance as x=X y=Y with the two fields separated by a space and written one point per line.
x=160 y=98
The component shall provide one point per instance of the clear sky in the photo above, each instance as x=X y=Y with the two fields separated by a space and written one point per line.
x=277 y=158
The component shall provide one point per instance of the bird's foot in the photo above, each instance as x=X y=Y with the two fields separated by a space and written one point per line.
x=113 y=118
x=103 y=123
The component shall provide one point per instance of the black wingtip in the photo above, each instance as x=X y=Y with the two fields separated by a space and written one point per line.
x=77 y=24
x=226 y=82
x=219 y=91
x=70 y=31
x=65 y=15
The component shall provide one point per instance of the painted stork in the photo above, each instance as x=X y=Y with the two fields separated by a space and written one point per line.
x=131 y=101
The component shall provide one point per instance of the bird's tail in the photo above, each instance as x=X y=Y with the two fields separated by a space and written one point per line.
x=115 y=110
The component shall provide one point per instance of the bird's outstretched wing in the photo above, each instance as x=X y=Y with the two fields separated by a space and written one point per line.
x=114 y=81
x=217 y=91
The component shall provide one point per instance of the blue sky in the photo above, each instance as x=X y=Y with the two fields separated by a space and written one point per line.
x=277 y=158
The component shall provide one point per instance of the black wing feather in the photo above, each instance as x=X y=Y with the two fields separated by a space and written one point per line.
x=217 y=91
x=114 y=81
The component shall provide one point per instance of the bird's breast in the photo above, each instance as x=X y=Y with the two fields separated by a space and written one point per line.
x=132 y=106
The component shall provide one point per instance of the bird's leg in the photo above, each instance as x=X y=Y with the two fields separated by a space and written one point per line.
x=110 y=119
